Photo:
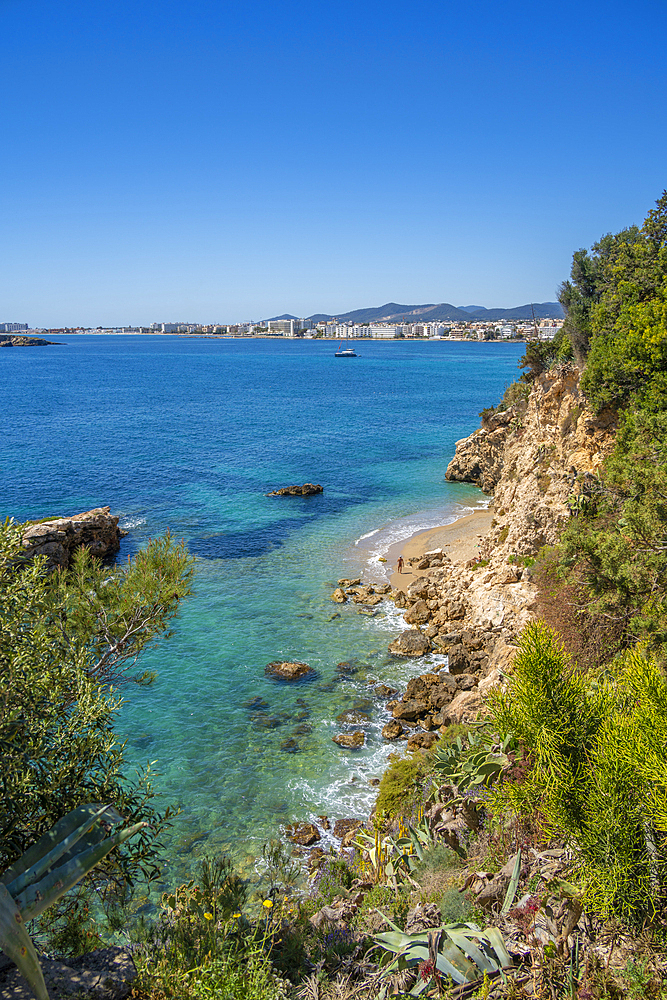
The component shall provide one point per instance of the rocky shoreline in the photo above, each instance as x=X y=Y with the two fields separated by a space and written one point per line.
x=532 y=457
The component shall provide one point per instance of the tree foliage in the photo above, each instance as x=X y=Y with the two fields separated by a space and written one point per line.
x=615 y=309
x=597 y=746
x=65 y=639
x=616 y=546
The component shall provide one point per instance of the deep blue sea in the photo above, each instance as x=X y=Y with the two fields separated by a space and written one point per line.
x=189 y=435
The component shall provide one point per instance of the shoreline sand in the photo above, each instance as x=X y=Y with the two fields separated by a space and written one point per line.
x=459 y=540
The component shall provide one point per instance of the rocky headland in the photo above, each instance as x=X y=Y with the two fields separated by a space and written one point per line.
x=16 y=341
x=59 y=538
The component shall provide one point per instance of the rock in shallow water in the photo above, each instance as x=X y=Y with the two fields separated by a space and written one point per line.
x=287 y=671
x=410 y=643
x=303 y=834
x=351 y=741
x=307 y=490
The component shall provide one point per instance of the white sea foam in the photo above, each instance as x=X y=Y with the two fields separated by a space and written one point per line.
x=129 y=521
x=369 y=534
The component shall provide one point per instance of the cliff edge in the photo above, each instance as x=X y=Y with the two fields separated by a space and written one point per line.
x=530 y=456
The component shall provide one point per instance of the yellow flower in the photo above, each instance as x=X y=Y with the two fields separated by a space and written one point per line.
x=268 y=903
x=209 y=916
x=235 y=916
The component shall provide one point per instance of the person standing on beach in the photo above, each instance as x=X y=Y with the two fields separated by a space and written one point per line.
x=399 y=564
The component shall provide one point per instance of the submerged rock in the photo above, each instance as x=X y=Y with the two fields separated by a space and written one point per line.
x=353 y=715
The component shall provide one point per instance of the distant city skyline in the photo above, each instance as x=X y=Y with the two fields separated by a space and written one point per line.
x=228 y=161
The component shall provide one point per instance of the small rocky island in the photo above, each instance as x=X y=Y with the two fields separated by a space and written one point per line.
x=307 y=490
x=27 y=342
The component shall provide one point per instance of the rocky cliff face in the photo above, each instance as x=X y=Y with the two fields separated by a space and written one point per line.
x=58 y=540
x=529 y=457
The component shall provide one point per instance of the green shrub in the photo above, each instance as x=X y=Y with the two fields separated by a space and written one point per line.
x=596 y=768
x=401 y=787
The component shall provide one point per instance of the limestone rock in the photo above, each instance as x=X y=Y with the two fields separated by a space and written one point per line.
x=303 y=834
x=351 y=741
x=343 y=827
x=392 y=730
x=287 y=671
x=411 y=709
x=421 y=741
x=418 y=614
x=419 y=587
x=422 y=917
x=97 y=530
x=464 y=707
x=410 y=643
x=339 y=596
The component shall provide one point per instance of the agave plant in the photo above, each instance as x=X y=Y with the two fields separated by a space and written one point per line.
x=460 y=952
x=75 y=844
x=479 y=761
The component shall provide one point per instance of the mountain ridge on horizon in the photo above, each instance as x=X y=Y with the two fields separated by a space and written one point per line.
x=436 y=312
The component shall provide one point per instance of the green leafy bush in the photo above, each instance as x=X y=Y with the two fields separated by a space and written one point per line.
x=64 y=638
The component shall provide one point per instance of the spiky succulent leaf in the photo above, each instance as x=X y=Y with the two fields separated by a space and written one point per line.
x=16 y=944
x=38 y=897
x=47 y=861
x=512 y=887
x=63 y=828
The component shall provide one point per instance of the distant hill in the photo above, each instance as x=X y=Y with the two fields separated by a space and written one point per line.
x=394 y=312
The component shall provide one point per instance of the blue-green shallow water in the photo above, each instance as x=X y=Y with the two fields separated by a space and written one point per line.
x=190 y=435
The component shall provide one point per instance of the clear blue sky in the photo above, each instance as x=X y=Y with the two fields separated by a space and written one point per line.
x=219 y=160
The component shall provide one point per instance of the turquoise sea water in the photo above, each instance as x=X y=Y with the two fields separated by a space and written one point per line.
x=190 y=435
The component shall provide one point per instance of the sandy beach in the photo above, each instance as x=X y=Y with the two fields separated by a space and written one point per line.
x=459 y=540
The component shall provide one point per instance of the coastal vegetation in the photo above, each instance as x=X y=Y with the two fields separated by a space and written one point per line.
x=523 y=855
x=68 y=640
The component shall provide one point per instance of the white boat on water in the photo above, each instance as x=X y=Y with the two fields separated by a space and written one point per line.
x=345 y=352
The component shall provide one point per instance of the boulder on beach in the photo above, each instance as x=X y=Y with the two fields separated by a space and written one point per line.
x=351 y=741
x=410 y=643
x=287 y=671
x=307 y=490
x=339 y=596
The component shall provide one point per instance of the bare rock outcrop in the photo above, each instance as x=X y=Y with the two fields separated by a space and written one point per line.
x=58 y=539
x=533 y=458
x=307 y=490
